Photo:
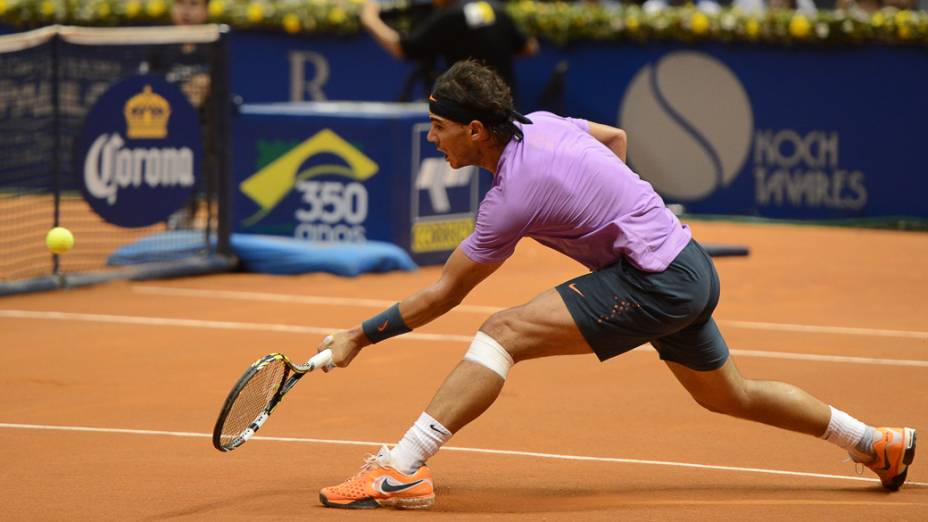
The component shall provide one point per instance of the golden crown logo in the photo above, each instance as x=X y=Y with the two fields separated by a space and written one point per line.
x=147 y=115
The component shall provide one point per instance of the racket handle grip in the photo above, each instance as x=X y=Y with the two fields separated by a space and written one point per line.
x=322 y=360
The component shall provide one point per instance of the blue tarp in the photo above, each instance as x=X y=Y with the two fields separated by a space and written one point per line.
x=271 y=254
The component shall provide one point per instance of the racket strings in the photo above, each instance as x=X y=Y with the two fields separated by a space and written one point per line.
x=253 y=399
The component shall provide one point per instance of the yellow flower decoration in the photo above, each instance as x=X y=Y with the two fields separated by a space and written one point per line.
x=155 y=8
x=291 y=23
x=103 y=10
x=905 y=32
x=337 y=15
x=216 y=8
x=752 y=28
x=255 y=12
x=878 y=19
x=799 y=26
x=699 y=23
x=47 y=8
x=2 y=6
x=133 y=8
x=632 y=23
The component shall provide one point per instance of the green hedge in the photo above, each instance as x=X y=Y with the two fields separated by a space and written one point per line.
x=557 y=22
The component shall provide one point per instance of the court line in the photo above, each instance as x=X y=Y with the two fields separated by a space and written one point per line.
x=828 y=358
x=509 y=453
x=290 y=298
x=843 y=330
x=379 y=303
x=214 y=325
x=416 y=336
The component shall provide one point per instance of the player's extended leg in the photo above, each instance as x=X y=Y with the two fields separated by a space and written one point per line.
x=886 y=451
x=775 y=403
x=398 y=478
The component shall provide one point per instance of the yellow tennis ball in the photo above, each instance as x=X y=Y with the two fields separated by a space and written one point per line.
x=59 y=240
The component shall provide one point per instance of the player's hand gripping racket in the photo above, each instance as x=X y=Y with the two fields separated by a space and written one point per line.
x=257 y=393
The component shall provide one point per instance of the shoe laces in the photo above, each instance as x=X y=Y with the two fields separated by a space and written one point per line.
x=858 y=466
x=370 y=463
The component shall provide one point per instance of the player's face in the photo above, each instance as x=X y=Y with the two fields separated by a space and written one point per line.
x=189 y=12
x=454 y=141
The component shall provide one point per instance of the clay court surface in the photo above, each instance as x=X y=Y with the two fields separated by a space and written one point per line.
x=109 y=394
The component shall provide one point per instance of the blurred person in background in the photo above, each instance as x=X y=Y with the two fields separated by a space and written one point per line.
x=189 y=12
x=187 y=67
x=457 y=29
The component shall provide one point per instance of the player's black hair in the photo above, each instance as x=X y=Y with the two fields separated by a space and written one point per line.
x=471 y=91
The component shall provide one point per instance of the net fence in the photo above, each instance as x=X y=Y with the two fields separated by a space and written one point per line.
x=50 y=80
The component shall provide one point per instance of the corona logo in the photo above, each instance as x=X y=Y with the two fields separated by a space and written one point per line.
x=271 y=184
x=110 y=166
x=131 y=170
x=693 y=124
x=147 y=115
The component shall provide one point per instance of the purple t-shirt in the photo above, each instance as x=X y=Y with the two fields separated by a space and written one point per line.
x=563 y=188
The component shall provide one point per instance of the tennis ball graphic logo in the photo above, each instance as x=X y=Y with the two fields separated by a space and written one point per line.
x=690 y=125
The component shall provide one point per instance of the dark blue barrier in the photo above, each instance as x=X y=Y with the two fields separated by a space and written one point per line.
x=800 y=132
x=350 y=172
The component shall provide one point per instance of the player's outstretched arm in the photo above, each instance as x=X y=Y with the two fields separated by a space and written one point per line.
x=383 y=34
x=611 y=137
x=459 y=276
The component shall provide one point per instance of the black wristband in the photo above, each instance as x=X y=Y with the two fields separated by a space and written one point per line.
x=385 y=325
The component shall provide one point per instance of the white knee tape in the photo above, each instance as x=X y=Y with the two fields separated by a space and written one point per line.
x=486 y=351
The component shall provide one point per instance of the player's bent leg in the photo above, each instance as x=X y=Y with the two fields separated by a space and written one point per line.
x=540 y=328
x=398 y=478
x=543 y=327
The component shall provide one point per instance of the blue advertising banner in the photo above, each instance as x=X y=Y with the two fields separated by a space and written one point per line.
x=350 y=172
x=269 y=68
x=773 y=132
x=782 y=132
x=139 y=152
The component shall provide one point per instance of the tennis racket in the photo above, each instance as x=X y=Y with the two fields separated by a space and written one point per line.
x=257 y=393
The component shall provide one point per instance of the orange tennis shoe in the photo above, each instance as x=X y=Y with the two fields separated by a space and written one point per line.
x=893 y=453
x=380 y=485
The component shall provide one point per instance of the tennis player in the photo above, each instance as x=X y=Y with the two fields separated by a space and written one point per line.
x=564 y=183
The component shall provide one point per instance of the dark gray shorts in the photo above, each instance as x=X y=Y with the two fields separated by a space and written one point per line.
x=620 y=307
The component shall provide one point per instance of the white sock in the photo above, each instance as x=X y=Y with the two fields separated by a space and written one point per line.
x=422 y=441
x=848 y=432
